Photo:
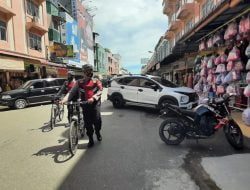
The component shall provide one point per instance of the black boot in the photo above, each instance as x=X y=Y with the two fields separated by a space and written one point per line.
x=98 y=136
x=91 y=142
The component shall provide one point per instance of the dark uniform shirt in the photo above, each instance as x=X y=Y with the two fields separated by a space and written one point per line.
x=89 y=89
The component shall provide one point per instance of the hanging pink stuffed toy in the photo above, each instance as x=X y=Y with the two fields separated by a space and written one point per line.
x=210 y=79
x=248 y=77
x=248 y=65
x=217 y=60
x=246 y=116
x=242 y=29
x=230 y=66
x=234 y=54
x=223 y=58
x=220 y=68
x=230 y=89
x=238 y=66
x=247 y=91
x=231 y=31
x=247 y=51
x=220 y=90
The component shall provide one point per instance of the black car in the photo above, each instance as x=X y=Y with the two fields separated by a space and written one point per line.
x=31 y=92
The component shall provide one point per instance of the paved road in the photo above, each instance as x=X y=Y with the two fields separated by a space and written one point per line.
x=131 y=155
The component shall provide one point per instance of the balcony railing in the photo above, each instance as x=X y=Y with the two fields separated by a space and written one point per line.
x=5 y=9
x=186 y=7
x=35 y=25
x=54 y=35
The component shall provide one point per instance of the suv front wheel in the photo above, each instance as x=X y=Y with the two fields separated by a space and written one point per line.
x=118 y=101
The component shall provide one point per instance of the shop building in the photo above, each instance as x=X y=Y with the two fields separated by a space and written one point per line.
x=23 y=40
x=201 y=32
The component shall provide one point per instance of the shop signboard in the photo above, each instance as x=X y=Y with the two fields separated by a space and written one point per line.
x=72 y=38
x=85 y=27
x=61 y=50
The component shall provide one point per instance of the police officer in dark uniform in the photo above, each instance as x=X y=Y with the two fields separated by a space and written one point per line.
x=92 y=94
x=66 y=87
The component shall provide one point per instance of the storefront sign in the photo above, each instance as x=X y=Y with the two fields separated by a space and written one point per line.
x=11 y=63
x=62 y=72
x=61 y=50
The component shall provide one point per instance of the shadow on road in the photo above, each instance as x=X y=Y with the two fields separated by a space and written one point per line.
x=5 y=109
x=59 y=153
x=47 y=128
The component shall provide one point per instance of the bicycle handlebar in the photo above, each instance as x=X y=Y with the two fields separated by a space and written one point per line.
x=77 y=103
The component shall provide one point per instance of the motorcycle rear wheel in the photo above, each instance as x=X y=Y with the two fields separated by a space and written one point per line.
x=171 y=127
x=234 y=135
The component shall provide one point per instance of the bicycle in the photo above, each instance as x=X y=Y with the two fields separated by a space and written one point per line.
x=77 y=128
x=57 y=111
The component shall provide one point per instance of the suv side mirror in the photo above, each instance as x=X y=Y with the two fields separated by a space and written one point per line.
x=31 y=87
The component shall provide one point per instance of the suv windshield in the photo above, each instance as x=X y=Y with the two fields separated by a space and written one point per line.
x=26 y=85
x=165 y=82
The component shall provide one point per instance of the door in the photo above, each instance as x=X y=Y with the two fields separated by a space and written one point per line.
x=51 y=88
x=146 y=93
x=37 y=92
x=129 y=88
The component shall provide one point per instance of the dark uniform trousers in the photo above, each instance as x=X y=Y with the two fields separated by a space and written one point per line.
x=92 y=117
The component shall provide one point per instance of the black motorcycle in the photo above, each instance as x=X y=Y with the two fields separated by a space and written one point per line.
x=201 y=123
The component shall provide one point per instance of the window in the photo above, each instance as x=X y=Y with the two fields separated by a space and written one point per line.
x=61 y=81
x=130 y=81
x=207 y=7
x=164 y=82
x=56 y=25
x=146 y=83
x=3 y=31
x=50 y=83
x=38 y=84
x=32 y=8
x=35 y=41
x=189 y=25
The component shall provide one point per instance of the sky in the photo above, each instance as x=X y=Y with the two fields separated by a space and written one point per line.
x=130 y=28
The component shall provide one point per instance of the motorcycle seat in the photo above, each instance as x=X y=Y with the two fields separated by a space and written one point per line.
x=189 y=113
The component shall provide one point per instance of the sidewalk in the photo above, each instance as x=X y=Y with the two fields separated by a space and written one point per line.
x=238 y=118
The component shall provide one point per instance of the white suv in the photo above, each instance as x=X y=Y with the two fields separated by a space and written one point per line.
x=150 y=90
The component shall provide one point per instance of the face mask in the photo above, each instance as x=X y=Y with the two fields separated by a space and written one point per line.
x=70 y=78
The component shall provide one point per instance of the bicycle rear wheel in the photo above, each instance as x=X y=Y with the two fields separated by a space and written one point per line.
x=73 y=137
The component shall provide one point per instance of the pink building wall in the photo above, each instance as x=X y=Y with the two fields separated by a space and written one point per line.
x=17 y=30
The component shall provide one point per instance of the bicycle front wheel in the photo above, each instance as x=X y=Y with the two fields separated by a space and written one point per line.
x=73 y=137
x=61 y=112
x=53 y=118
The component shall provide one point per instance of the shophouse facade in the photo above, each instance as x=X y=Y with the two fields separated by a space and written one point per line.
x=24 y=40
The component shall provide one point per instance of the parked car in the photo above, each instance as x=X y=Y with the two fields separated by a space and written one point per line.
x=31 y=92
x=149 y=90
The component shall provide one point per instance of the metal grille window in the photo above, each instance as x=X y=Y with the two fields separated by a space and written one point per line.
x=35 y=42
x=3 y=31
x=189 y=25
x=32 y=8
x=207 y=7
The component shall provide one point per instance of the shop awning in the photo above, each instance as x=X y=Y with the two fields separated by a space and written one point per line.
x=11 y=63
x=190 y=42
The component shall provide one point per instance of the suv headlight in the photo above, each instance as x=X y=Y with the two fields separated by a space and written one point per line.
x=184 y=99
x=4 y=97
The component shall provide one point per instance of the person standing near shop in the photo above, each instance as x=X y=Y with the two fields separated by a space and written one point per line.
x=66 y=87
x=92 y=94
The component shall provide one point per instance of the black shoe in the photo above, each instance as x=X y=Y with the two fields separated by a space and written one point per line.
x=99 y=136
x=91 y=144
